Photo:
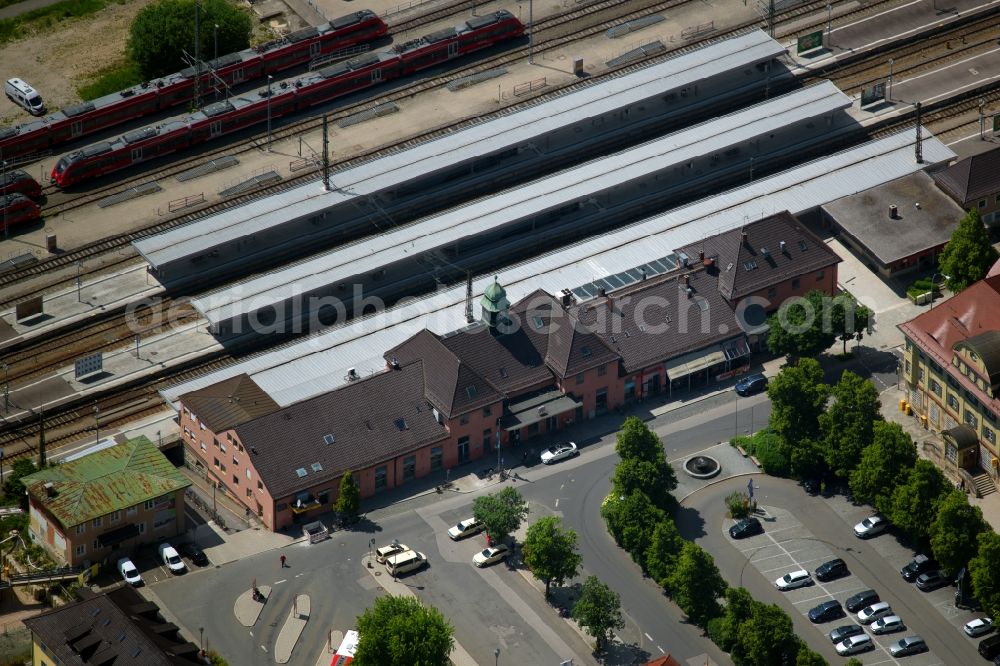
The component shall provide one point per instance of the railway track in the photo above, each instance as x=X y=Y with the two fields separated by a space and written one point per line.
x=76 y=419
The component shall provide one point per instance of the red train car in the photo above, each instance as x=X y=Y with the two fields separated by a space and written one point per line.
x=17 y=209
x=19 y=182
x=251 y=109
x=79 y=120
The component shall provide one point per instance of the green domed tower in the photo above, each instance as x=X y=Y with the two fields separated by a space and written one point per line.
x=495 y=304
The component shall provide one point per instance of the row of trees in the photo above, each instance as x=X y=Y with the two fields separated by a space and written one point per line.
x=638 y=514
x=838 y=432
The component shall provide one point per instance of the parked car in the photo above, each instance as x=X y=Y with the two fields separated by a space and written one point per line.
x=860 y=600
x=979 y=627
x=832 y=569
x=932 y=580
x=794 y=579
x=559 y=452
x=870 y=526
x=812 y=486
x=887 y=624
x=465 y=528
x=751 y=384
x=907 y=646
x=171 y=558
x=490 y=555
x=826 y=611
x=387 y=551
x=989 y=648
x=194 y=553
x=871 y=613
x=746 y=528
x=855 y=644
x=845 y=631
x=129 y=572
x=918 y=565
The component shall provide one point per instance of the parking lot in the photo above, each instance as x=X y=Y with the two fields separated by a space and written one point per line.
x=787 y=545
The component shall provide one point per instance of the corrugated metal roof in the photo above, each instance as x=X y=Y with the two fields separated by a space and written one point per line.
x=493 y=213
x=109 y=480
x=319 y=363
x=487 y=137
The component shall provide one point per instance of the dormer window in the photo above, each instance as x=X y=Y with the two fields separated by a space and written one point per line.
x=585 y=351
x=471 y=391
x=401 y=424
x=503 y=373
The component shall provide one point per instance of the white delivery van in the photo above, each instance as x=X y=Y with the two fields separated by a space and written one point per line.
x=24 y=96
x=404 y=562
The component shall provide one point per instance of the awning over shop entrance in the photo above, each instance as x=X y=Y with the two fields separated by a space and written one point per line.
x=693 y=362
x=115 y=537
x=538 y=408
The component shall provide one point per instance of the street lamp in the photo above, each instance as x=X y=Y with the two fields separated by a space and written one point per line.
x=215 y=58
x=371 y=545
x=269 y=77
x=79 y=282
x=496 y=656
x=201 y=630
x=6 y=390
x=889 y=94
x=1 y=465
x=97 y=423
x=395 y=545
x=982 y=119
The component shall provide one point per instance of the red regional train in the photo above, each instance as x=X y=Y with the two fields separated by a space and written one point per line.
x=19 y=182
x=17 y=209
x=221 y=118
x=85 y=118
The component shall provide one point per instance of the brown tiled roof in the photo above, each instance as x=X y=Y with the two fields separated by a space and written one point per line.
x=509 y=362
x=658 y=321
x=371 y=420
x=117 y=627
x=451 y=385
x=743 y=266
x=973 y=178
x=968 y=314
x=228 y=403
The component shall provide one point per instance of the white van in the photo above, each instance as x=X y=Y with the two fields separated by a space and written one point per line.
x=24 y=96
x=406 y=561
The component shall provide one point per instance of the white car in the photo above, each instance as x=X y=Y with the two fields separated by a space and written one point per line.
x=855 y=644
x=870 y=526
x=129 y=572
x=871 y=613
x=171 y=558
x=559 y=452
x=465 y=528
x=887 y=624
x=490 y=555
x=792 y=580
x=978 y=627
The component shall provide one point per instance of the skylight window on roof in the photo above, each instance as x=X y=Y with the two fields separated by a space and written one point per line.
x=750 y=265
x=538 y=322
x=301 y=471
x=121 y=637
x=803 y=246
x=703 y=304
x=316 y=467
x=503 y=373
x=136 y=652
x=401 y=424
x=585 y=351
x=471 y=391
x=329 y=439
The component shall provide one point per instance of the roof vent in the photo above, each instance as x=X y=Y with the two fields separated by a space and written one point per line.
x=744 y=235
x=642 y=271
x=689 y=291
x=601 y=291
x=764 y=251
x=253 y=450
x=687 y=280
x=701 y=255
x=352 y=374
x=783 y=248
x=50 y=489
x=917 y=204
x=287 y=416
x=893 y=212
x=541 y=410
x=394 y=363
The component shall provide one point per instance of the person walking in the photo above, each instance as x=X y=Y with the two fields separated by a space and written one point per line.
x=282 y=561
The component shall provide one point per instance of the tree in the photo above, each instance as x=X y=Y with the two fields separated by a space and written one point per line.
x=636 y=440
x=13 y=489
x=915 y=502
x=348 y=498
x=501 y=513
x=986 y=574
x=549 y=551
x=655 y=479
x=664 y=548
x=798 y=396
x=802 y=327
x=884 y=464
x=400 y=631
x=696 y=584
x=854 y=661
x=848 y=423
x=163 y=31
x=739 y=605
x=955 y=531
x=849 y=319
x=632 y=519
x=765 y=638
x=598 y=610
x=806 y=657
x=968 y=256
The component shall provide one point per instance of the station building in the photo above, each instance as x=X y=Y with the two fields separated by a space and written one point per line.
x=951 y=366
x=518 y=372
x=102 y=505
x=975 y=183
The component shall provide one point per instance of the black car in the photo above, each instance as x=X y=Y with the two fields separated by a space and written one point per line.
x=194 y=553
x=832 y=569
x=918 y=565
x=746 y=528
x=860 y=600
x=826 y=611
x=751 y=384
x=932 y=580
x=811 y=486
x=845 y=631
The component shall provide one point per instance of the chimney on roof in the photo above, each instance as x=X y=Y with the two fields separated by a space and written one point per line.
x=689 y=291
x=917 y=204
x=642 y=271
x=50 y=489
x=784 y=247
x=687 y=280
x=601 y=291
x=744 y=235
x=394 y=363
x=893 y=212
x=701 y=255
x=566 y=298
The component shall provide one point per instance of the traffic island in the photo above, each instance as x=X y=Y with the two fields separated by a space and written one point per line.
x=247 y=609
x=298 y=615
